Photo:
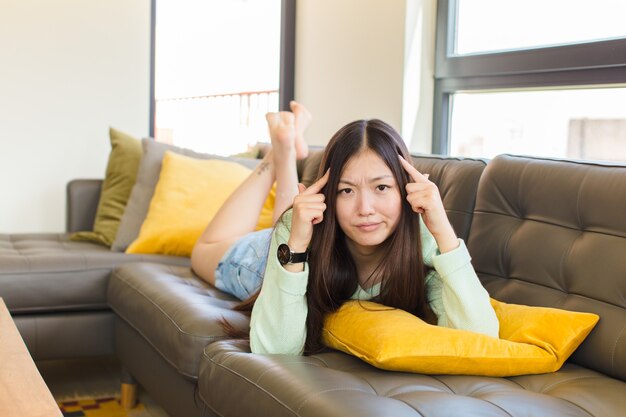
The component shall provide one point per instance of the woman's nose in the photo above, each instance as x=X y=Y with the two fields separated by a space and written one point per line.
x=366 y=204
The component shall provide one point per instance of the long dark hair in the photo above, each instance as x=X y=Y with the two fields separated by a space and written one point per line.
x=333 y=277
x=332 y=271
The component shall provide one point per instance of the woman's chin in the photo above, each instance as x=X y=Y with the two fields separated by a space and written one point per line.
x=371 y=241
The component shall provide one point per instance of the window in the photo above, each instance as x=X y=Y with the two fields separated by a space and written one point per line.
x=555 y=90
x=496 y=25
x=218 y=67
x=570 y=123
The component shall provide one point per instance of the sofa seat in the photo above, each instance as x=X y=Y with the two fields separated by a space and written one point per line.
x=336 y=384
x=173 y=310
x=50 y=273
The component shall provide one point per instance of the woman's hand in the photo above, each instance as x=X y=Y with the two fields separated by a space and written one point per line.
x=424 y=198
x=308 y=210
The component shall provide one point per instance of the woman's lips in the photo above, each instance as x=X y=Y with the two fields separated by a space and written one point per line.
x=368 y=227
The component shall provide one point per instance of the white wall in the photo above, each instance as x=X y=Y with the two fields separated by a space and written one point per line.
x=69 y=69
x=367 y=58
x=349 y=62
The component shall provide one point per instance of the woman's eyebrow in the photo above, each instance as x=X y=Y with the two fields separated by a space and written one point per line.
x=344 y=181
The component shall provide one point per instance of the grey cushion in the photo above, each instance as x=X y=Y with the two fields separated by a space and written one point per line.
x=48 y=272
x=147 y=178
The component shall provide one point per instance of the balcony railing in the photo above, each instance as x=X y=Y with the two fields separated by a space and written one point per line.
x=222 y=124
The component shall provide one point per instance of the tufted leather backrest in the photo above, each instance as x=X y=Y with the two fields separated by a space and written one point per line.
x=457 y=180
x=553 y=233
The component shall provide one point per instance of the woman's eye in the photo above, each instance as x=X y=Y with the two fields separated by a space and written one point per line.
x=382 y=187
x=345 y=191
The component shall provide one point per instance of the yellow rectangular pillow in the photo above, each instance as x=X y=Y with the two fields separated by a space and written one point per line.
x=532 y=340
x=187 y=196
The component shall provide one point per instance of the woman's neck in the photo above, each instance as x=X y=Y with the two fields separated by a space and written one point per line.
x=366 y=261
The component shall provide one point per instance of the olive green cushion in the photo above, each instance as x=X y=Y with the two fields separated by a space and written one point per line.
x=120 y=177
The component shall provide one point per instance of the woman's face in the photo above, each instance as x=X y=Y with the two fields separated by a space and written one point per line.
x=368 y=202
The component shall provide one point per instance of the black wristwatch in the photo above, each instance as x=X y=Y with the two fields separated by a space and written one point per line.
x=287 y=256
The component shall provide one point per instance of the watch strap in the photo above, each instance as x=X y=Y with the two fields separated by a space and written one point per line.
x=298 y=257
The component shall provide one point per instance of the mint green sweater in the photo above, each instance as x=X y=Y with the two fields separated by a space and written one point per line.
x=453 y=291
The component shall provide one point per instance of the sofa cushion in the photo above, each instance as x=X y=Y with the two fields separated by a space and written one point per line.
x=147 y=178
x=552 y=233
x=48 y=272
x=120 y=177
x=177 y=313
x=236 y=383
x=188 y=195
x=532 y=340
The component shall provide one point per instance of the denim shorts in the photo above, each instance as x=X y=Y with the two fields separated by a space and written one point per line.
x=240 y=271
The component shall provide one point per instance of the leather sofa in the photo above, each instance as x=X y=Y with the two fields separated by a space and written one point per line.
x=56 y=289
x=541 y=232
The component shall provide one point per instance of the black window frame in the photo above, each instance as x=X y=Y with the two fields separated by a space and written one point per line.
x=580 y=65
x=287 y=57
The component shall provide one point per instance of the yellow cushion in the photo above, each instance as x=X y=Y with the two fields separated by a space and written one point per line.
x=187 y=196
x=532 y=340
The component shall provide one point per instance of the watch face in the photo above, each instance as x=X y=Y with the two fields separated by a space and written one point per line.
x=284 y=254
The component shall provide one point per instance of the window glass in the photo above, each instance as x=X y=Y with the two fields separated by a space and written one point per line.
x=217 y=65
x=496 y=25
x=576 y=123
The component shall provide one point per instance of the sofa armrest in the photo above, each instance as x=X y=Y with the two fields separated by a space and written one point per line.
x=82 y=203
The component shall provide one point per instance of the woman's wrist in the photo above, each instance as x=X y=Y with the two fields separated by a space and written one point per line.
x=297 y=247
x=446 y=241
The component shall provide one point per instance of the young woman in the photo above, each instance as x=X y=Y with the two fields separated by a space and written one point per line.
x=371 y=227
x=227 y=254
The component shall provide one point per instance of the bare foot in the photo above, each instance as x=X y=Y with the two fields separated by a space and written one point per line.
x=282 y=127
x=303 y=118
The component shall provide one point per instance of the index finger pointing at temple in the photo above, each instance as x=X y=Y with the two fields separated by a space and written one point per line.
x=412 y=171
x=317 y=186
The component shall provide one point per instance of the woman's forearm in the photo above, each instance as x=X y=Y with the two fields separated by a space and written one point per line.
x=278 y=322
